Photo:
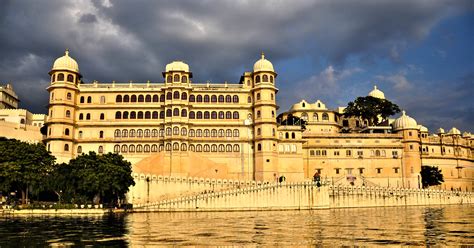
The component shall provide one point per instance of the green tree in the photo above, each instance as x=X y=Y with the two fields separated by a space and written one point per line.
x=104 y=177
x=291 y=120
x=24 y=167
x=371 y=108
x=431 y=176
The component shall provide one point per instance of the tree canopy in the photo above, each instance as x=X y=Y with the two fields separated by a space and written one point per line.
x=24 y=167
x=291 y=120
x=371 y=108
x=431 y=176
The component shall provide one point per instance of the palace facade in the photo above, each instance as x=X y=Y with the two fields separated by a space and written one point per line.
x=231 y=131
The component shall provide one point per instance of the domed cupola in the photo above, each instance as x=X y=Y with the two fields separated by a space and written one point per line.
x=454 y=131
x=177 y=66
x=65 y=63
x=263 y=65
x=377 y=93
x=404 y=122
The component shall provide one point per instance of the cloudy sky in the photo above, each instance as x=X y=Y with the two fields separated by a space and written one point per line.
x=420 y=53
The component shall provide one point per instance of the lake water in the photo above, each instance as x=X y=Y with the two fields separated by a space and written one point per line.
x=393 y=226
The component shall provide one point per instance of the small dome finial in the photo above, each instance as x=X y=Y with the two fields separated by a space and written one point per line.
x=263 y=55
x=67 y=52
x=403 y=112
x=375 y=87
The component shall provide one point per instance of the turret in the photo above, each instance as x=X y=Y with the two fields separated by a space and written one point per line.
x=63 y=89
x=264 y=104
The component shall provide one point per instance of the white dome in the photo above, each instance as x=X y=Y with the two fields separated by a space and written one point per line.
x=263 y=65
x=377 y=93
x=440 y=130
x=454 y=131
x=422 y=128
x=404 y=122
x=177 y=66
x=66 y=63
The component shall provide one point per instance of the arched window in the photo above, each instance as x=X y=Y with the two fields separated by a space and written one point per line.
x=191 y=133
x=124 y=148
x=154 y=133
x=207 y=148
x=228 y=115
x=271 y=96
x=206 y=98
x=184 y=113
x=154 y=148
x=377 y=153
x=325 y=117
x=89 y=99
x=191 y=148
x=184 y=79
x=148 y=98
x=198 y=148
x=273 y=132
x=69 y=96
x=154 y=115
x=141 y=98
x=192 y=115
x=304 y=116
x=213 y=98
x=236 y=148
x=235 y=99
x=168 y=147
x=66 y=147
x=66 y=132
x=228 y=148
x=162 y=114
x=169 y=79
x=228 y=133
x=175 y=112
x=116 y=148
x=168 y=113
x=162 y=98
x=162 y=133
x=258 y=114
x=53 y=78
x=176 y=78
x=124 y=133
x=125 y=115
x=102 y=116
x=140 y=115
x=133 y=115
x=131 y=133
x=146 y=148
x=228 y=98
x=206 y=115
x=126 y=98
x=139 y=148
x=273 y=114
x=101 y=134
x=175 y=146
x=315 y=117
x=213 y=133
x=259 y=147
x=199 y=115
x=271 y=79
x=60 y=77
x=221 y=98
x=293 y=136
x=206 y=133
x=168 y=131
x=184 y=131
x=176 y=95
x=139 y=133
x=236 y=133
x=198 y=133
x=258 y=96
x=155 y=98
x=175 y=130
x=68 y=114
x=213 y=115
x=259 y=131
x=117 y=133
x=184 y=96
x=169 y=96
x=221 y=114
x=131 y=148
x=88 y=116
x=183 y=147
x=199 y=98
x=147 y=133
x=235 y=115
x=192 y=98
x=257 y=79
x=221 y=148
x=213 y=148
x=147 y=115
x=82 y=99
x=79 y=149
x=221 y=132
x=265 y=78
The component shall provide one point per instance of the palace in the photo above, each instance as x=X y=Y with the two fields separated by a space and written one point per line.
x=231 y=131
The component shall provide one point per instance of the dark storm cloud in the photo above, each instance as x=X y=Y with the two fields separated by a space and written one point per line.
x=133 y=40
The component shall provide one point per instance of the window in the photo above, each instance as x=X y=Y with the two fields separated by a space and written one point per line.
x=191 y=148
x=88 y=116
x=395 y=170
x=69 y=96
x=213 y=98
x=124 y=133
x=192 y=98
x=198 y=133
x=213 y=133
x=259 y=131
x=102 y=116
x=162 y=114
x=236 y=133
x=236 y=148
x=293 y=136
x=228 y=133
x=147 y=115
x=53 y=78
x=271 y=79
x=162 y=133
x=184 y=96
x=118 y=115
x=79 y=149
x=221 y=98
x=228 y=98
x=325 y=117
x=126 y=98
x=80 y=134
x=271 y=96
x=183 y=147
x=176 y=78
x=147 y=133
x=154 y=133
x=60 y=77
x=66 y=147
x=235 y=99
x=259 y=147
x=221 y=148
x=249 y=99
x=139 y=133
x=228 y=148
x=175 y=130
x=184 y=131
x=101 y=134
x=162 y=98
x=168 y=113
x=131 y=133
x=258 y=96
x=206 y=98
x=264 y=78
x=116 y=148
x=102 y=99
x=82 y=99
x=213 y=148
x=192 y=115
x=235 y=115
x=221 y=133
x=141 y=98
x=148 y=98
x=337 y=170
x=184 y=113
x=199 y=115
x=139 y=148
x=169 y=96
x=258 y=114
x=257 y=79
x=221 y=114
x=125 y=115
x=206 y=115
x=199 y=98
x=66 y=132
x=348 y=153
x=379 y=170
x=169 y=79
x=89 y=99
x=146 y=148
x=133 y=115
x=198 y=148
x=191 y=132
x=155 y=98
x=168 y=131
x=176 y=112
x=206 y=132
x=176 y=95
x=154 y=115
x=213 y=115
x=124 y=148
x=361 y=153
x=117 y=133
x=101 y=149
x=184 y=79
x=68 y=113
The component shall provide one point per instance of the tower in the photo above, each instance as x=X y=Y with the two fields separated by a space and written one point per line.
x=63 y=89
x=264 y=106
x=411 y=158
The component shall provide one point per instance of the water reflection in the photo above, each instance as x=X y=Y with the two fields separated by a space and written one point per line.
x=411 y=226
